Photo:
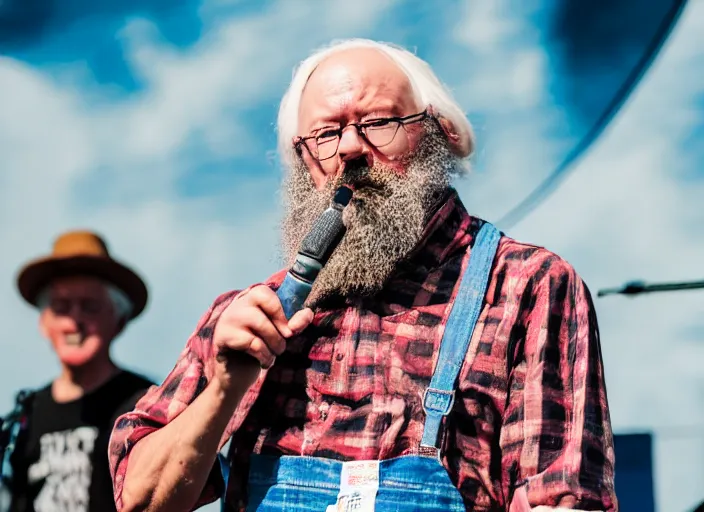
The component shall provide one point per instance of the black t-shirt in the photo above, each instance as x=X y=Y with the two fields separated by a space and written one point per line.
x=61 y=464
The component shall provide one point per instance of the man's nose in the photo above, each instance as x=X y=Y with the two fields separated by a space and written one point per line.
x=76 y=311
x=352 y=145
x=70 y=321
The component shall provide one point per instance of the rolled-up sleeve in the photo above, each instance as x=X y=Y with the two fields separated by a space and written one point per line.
x=557 y=441
x=161 y=404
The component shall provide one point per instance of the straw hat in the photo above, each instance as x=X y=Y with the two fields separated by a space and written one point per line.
x=81 y=253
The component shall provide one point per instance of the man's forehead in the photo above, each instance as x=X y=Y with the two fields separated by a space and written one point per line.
x=359 y=73
x=359 y=62
x=77 y=284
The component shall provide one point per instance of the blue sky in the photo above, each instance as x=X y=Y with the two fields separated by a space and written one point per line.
x=154 y=124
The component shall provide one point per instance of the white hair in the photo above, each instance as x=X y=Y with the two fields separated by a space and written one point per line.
x=121 y=303
x=426 y=85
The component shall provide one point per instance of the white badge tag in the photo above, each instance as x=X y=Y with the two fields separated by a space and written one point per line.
x=359 y=483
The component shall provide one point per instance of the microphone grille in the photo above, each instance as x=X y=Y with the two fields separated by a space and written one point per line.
x=324 y=236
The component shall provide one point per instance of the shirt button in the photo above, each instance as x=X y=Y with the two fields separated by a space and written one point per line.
x=340 y=356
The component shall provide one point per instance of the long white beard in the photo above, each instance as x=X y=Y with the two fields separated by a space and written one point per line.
x=385 y=220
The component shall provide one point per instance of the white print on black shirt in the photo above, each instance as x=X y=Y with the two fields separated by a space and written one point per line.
x=65 y=464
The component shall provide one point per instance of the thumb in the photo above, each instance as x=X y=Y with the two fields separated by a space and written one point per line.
x=300 y=320
x=520 y=501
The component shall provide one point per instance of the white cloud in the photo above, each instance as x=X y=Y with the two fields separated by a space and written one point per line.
x=486 y=26
x=505 y=94
x=57 y=133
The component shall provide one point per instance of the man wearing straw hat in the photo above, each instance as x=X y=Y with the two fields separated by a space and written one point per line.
x=85 y=299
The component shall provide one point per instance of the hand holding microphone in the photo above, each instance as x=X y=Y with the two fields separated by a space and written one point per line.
x=314 y=253
x=253 y=330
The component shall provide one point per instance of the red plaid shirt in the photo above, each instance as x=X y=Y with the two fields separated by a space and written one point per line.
x=531 y=404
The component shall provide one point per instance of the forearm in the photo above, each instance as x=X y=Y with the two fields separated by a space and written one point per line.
x=168 y=469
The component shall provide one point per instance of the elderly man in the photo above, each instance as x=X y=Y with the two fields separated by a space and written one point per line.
x=438 y=365
x=86 y=298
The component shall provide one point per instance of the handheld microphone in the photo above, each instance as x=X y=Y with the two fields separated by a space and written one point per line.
x=315 y=250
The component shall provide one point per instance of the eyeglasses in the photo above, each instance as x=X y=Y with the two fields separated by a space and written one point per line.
x=323 y=143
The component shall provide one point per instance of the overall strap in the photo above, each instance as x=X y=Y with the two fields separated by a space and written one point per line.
x=439 y=398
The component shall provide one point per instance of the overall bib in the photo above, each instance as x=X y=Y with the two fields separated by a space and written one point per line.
x=411 y=483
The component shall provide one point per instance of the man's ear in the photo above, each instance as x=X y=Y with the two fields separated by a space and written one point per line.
x=121 y=323
x=460 y=144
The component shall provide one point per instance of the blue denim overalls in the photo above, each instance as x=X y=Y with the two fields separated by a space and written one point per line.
x=411 y=483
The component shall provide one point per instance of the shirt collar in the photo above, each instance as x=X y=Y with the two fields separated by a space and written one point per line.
x=450 y=230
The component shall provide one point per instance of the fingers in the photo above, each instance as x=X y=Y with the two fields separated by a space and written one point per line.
x=256 y=353
x=520 y=501
x=254 y=323
x=244 y=350
x=262 y=352
x=266 y=300
x=301 y=320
